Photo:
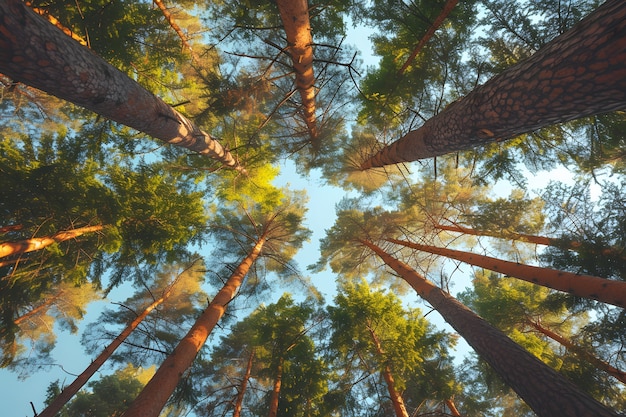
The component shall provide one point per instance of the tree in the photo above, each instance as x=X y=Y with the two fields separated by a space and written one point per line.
x=30 y=245
x=571 y=70
x=275 y=228
x=68 y=392
x=372 y=332
x=601 y=289
x=64 y=68
x=533 y=381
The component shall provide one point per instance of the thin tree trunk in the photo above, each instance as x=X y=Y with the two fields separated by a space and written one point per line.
x=588 y=286
x=538 y=240
x=41 y=307
x=170 y=19
x=447 y=8
x=584 y=354
x=11 y=228
x=396 y=399
x=36 y=53
x=68 y=392
x=37 y=243
x=578 y=74
x=244 y=385
x=275 y=396
x=452 y=408
x=295 y=17
x=547 y=392
x=155 y=394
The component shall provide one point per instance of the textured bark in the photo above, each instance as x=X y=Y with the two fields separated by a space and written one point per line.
x=295 y=17
x=275 y=395
x=580 y=73
x=37 y=243
x=36 y=53
x=68 y=392
x=581 y=352
x=155 y=394
x=243 y=386
x=447 y=8
x=396 y=399
x=547 y=392
x=588 y=286
x=69 y=32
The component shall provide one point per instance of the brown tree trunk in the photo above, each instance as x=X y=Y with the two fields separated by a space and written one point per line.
x=447 y=8
x=243 y=386
x=547 y=392
x=578 y=74
x=170 y=19
x=584 y=354
x=452 y=408
x=295 y=17
x=275 y=396
x=155 y=394
x=37 y=243
x=11 y=228
x=396 y=399
x=522 y=237
x=36 y=53
x=69 y=32
x=41 y=307
x=68 y=392
x=605 y=290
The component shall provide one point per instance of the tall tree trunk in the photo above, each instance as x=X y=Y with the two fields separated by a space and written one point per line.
x=275 y=396
x=578 y=74
x=295 y=17
x=452 y=407
x=37 y=243
x=36 y=53
x=547 y=392
x=447 y=8
x=170 y=19
x=538 y=240
x=581 y=352
x=68 y=392
x=155 y=394
x=605 y=290
x=69 y=32
x=396 y=399
x=244 y=385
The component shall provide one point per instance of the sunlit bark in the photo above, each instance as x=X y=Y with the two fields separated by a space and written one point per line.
x=38 y=243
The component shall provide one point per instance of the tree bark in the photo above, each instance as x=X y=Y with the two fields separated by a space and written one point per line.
x=584 y=354
x=275 y=396
x=588 y=286
x=170 y=19
x=11 y=228
x=243 y=386
x=396 y=399
x=547 y=392
x=452 y=407
x=295 y=17
x=155 y=394
x=538 y=240
x=37 y=243
x=447 y=8
x=36 y=53
x=578 y=74
x=68 y=392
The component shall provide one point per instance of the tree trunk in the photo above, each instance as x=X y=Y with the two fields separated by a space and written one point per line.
x=57 y=23
x=538 y=240
x=243 y=386
x=452 y=408
x=447 y=8
x=605 y=290
x=584 y=354
x=155 y=394
x=36 y=53
x=41 y=307
x=170 y=19
x=578 y=74
x=547 y=392
x=295 y=17
x=11 y=228
x=275 y=396
x=68 y=392
x=37 y=243
x=396 y=399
